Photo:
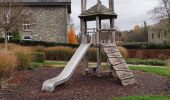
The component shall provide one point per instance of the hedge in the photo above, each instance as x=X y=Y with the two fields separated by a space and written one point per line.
x=133 y=45
x=37 y=43
x=146 y=46
x=38 y=56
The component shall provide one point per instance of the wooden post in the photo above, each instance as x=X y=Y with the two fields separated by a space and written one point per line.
x=98 y=46
x=85 y=59
x=111 y=5
x=84 y=36
x=83 y=5
x=113 y=32
x=98 y=2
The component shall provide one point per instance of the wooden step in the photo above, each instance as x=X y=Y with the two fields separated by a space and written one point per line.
x=110 y=50
x=120 y=67
x=108 y=44
x=114 y=55
x=124 y=74
x=116 y=61
x=128 y=81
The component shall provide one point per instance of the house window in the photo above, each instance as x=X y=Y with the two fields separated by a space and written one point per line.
x=165 y=33
x=9 y=35
x=26 y=26
x=27 y=38
x=159 y=35
x=152 y=36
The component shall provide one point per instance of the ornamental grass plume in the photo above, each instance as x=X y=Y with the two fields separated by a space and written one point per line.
x=124 y=52
x=8 y=63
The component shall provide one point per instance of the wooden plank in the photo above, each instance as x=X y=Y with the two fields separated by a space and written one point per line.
x=116 y=61
x=115 y=54
x=128 y=81
x=110 y=50
x=124 y=74
x=120 y=67
x=108 y=45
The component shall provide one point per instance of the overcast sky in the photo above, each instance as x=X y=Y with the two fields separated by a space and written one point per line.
x=130 y=12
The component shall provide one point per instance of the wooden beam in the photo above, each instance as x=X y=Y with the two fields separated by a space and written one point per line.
x=98 y=2
x=83 y=5
x=98 y=48
x=112 y=25
x=111 y=5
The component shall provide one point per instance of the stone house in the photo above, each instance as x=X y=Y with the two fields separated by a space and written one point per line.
x=51 y=21
x=159 y=33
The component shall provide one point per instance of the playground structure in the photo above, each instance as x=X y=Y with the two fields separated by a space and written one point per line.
x=103 y=40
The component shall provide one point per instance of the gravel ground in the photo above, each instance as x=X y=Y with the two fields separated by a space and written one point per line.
x=27 y=86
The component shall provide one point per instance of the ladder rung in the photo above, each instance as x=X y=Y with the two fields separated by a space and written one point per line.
x=115 y=57
x=112 y=52
x=126 y=78
x=122 y=70
x=118 y=63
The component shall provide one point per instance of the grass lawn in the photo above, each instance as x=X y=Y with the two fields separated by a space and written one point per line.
x=164 y=71
x=144 y=98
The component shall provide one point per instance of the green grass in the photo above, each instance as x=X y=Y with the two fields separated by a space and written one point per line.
x=164 y=71
x=154 y=62
x=144 y=98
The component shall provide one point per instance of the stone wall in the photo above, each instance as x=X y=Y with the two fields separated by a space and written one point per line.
x=50 y=24
x=158 y=36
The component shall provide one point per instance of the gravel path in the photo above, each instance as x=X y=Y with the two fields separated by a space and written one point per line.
x=83 y=88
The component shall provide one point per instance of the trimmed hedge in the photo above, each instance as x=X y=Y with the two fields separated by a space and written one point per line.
x=37 y=43
x=146 y=46
x=132 y=45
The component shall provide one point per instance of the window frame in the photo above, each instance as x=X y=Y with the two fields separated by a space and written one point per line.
x=26 y=26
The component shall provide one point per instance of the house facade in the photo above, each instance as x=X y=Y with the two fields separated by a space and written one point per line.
x=159 y=33
x=51 y=19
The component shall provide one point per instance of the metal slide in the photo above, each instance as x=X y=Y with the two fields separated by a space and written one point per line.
x=69 y=69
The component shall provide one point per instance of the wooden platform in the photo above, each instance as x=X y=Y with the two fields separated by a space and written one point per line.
x=118 y=63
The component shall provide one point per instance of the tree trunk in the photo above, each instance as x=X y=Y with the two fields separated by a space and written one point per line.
x=6 y=40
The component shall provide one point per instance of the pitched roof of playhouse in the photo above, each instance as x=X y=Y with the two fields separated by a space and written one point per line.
x=45 y=3
x=162 y=24
x=103 y=12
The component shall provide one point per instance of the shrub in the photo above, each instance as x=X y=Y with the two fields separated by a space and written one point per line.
x=168 y=63
x=124 y=52
x=38 y=43
x=23 y=55
x=155 y=62
x=39 y=48
x=34 y=66
x=16 y=35
x=146 y=46
x=59 y=53
x=8 y=64
x=38 y=56
x=92 y=55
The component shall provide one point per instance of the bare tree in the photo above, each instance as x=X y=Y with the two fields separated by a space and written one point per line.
x=162 y=11
x=12 y=16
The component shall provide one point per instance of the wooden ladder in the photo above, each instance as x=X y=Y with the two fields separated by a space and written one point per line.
x=118 y=64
